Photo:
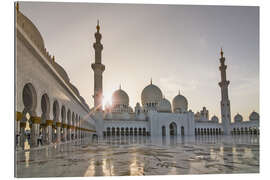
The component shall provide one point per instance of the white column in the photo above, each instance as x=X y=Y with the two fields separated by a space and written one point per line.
x=49 y=130
x=22 y=137
x=18 y=128
x=64 y=133
x=68 y=133
x=58 y=132
x=35 y=131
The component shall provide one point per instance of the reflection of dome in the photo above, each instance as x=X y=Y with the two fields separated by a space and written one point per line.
x=151 y=94
x=214 y=119
x=254 y=116
x=30 y=29
x=164 y=106
x=120 y=97
x=180 y=103
x=238 y=118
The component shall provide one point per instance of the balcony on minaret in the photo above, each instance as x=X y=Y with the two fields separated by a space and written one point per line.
x=223 y=67
x=98 y=66
x=224 y=83
x=98 y=36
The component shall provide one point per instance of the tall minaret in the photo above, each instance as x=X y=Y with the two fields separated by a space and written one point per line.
x=98 y=70
x=225 y=102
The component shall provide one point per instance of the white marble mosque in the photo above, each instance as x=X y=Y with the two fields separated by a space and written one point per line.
x=157 y=116
x=48 y=103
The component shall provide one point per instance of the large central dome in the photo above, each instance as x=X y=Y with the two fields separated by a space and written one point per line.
x=151 y=94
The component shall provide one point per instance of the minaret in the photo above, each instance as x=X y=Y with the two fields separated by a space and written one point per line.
x=98 y=70
x=225 y=102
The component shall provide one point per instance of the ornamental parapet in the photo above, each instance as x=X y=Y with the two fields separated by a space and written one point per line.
x=19 y=116
x=64 y=125
x=35 y=120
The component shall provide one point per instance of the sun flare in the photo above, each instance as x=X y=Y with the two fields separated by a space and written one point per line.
x=107 y=99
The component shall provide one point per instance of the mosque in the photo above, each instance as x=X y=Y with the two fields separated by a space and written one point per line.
x=156 y=115
x=47 y=103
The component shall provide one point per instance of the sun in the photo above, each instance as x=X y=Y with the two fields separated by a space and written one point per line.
x=107 y=99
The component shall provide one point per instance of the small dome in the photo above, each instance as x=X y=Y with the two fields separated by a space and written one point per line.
x=151 y=94
x=164 y=106
x=61 y=71
x=238 y=118
x=254 y=116
x=30 y=29
x=214 y=119
x=120 y=97
x=180 y=103
x=74 y=89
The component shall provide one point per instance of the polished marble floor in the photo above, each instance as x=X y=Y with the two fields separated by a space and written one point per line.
x=139 y=155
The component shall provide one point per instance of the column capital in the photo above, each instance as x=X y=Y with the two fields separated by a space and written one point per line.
x=35 y=120
x=19 y=116
x=22 y=124
x=65 y=125
x=58 y=124
x=49 y=122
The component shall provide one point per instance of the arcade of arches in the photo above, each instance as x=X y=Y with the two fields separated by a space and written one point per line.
x=65 y=124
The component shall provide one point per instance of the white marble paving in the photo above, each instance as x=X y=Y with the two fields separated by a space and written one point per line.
x=129 y=155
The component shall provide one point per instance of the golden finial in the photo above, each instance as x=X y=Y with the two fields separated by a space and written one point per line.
x=151 y=81
x=17 y=6
x=98 y=27
x=53 y=59
x=221 y=52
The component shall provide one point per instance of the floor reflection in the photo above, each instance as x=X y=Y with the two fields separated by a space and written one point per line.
x=143 y=155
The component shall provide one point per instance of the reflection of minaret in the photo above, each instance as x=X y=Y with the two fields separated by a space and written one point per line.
x=98 y=70
x=225 y=102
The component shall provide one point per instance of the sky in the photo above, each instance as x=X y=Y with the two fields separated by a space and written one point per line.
x=178 y=46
